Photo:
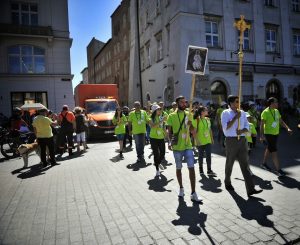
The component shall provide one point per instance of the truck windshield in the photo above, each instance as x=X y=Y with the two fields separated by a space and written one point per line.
x=93 y=107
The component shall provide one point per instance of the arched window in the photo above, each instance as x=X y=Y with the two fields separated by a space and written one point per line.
x=26 y=59
x=218 y=92
x=273 y=89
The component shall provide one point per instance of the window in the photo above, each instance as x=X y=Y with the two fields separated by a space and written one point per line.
x=168 y=38
x=20 y=98
x=24 y=14
x=296 y=43
x=159 y=51
x=212 y=34
x=157 y=9
x=148 y=57
x=271 y=40
x=26 y=59
x=296 y=5
x=167 y=2
x=269 y=3
x=246 y=40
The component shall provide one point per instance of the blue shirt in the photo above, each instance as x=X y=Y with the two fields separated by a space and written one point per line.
x=226 y=116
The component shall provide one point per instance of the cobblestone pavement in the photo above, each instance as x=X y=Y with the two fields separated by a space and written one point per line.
x=97 y=198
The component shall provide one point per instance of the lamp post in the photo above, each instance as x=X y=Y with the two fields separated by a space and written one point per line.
x=242 y=26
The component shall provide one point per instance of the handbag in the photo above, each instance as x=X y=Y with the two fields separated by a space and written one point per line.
x=174 y=138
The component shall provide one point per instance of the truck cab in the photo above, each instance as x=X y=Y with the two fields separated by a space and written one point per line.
x=100 y=112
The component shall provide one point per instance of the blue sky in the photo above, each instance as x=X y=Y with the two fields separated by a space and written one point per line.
x=88 y=19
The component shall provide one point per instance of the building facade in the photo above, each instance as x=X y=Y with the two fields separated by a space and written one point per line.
x=271 y=48
x=92 y=50
x=35 y=54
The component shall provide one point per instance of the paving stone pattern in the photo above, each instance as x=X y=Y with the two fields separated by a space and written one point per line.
x=97 y=198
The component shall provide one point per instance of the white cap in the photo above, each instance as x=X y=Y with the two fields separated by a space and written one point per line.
x=223 y=103
x=250 y=102
x=155 y=107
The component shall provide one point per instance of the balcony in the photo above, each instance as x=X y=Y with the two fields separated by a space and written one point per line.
x=17 y=30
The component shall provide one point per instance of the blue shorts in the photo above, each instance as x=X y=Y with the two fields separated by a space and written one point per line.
x=120 y=137
x=187 y=155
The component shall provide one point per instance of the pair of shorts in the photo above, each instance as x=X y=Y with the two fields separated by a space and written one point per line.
x=188 y=155
x=271 y=142
x=120 y=137
x=81 y=137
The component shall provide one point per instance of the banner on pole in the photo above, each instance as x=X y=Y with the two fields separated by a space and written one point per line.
x=196 y=60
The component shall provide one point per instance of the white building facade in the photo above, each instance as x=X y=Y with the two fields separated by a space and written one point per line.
x=271 y=48
x=35 y=54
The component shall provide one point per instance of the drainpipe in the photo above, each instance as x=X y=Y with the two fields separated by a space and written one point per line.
x=138 y=47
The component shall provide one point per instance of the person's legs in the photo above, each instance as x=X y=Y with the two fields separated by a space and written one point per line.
x=275 y=160
x=156 y=154
x=70 y=142
x=50 y=144
x=208 y=156
x=162 y=149
x=189 y=157
x=178 y=156
x=243 y=159
x=43 y=144
x=78 y=138
x=139 y=145
x=231 y=153
x=200 y=158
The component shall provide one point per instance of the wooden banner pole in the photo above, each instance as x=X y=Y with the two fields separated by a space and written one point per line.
x=191 y=105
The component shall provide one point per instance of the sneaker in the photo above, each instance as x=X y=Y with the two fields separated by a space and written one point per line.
x=201 y=170
x=265 y=166
x=157 y=173
x=211 y=173
x=280 y=173
x=121 y=155
x=181 y=192
x=195 y=198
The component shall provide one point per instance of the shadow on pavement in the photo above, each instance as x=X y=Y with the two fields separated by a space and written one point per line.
x=263 y=184
x=67 y=157
x=210 y=184
x=138 y=165
x=191 y=217
x=158 y=183
x=288 y=182
x=116 y=158
x=32 y=171
x=253 y=209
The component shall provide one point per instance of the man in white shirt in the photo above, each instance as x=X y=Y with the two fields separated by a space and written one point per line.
x=236 y=148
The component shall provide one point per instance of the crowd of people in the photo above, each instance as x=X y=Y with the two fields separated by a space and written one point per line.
x=192 y=132
x=187 y=133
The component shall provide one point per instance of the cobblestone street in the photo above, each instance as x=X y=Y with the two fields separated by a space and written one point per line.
x=96 y=198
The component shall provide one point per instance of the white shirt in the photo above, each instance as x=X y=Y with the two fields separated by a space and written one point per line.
x=226 y=116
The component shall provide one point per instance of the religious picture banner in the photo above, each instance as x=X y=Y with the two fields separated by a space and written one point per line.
x=196 y=60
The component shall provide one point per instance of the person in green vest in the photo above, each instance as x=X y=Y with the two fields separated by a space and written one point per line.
x=120 y=120
x=269 y=131
x=254 y=118
x=180 y=143
x=219 y=111
x=251 y=133
x=203 y=138
x=137 y=121
x=157 y=135
x=174 y=107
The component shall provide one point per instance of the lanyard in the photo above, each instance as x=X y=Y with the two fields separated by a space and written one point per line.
x=180 y=123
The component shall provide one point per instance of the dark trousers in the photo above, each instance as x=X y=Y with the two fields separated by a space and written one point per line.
x=62 y=139
x=127 y=136
x=207 y=149
x=43 y=143
x=238 y=150
x=159 y=148
x=139 y=145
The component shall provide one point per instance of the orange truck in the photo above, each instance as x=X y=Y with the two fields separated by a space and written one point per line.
x=100 y=102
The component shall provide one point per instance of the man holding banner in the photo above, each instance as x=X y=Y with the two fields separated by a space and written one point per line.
x=180 y=142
